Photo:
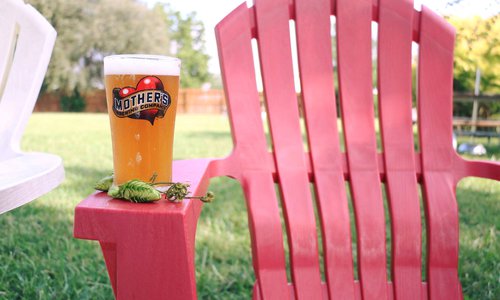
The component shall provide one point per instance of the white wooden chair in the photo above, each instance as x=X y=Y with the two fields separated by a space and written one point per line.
x=27 y=40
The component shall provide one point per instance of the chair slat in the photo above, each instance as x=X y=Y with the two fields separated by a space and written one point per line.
x=265 y=230
x=318 y=97
x=277 y=73
x=32 y=54
x=355 y=79
x=250 y=152
x=435 y=79
x=395 y=104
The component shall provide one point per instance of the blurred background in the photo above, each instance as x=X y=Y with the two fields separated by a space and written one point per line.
x=88 y=30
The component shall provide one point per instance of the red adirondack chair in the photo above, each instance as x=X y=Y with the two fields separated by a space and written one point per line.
x=149 y=249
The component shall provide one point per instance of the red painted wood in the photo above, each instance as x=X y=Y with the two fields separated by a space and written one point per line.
x=148 y=248
x=395 y=104
x=273 y=38
x=357 y=288
x=476 y=168
x=109 y=253
x=318 y=97
x=250 y=153
x=435 y=125
x=355 y=79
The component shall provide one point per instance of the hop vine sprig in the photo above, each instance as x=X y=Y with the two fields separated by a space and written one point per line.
x=138 y=191
x=178 y=191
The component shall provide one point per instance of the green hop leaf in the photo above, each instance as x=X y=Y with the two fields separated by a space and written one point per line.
x=104 y=184
x=139 y=191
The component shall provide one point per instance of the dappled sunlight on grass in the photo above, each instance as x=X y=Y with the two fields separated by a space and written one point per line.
x=41 y=259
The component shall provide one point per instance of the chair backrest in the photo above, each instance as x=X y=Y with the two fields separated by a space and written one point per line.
x=27 y=43
x=398 y=168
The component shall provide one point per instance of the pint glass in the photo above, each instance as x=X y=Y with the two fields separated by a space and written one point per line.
x=141 y=93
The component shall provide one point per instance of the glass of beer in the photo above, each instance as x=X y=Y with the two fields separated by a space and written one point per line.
x=141 y=93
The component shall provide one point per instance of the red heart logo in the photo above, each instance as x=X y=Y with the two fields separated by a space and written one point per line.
x=126 y=91
x=150 y=83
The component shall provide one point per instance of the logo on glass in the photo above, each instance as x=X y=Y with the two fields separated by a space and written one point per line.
x=147 y=101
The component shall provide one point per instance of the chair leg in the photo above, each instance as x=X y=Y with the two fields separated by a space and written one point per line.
x=152 y=264
x=109 y=253
x=149 y=251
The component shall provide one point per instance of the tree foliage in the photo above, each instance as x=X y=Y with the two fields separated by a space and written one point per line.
x=88 y=30
x=188 y=44
x=477 y=46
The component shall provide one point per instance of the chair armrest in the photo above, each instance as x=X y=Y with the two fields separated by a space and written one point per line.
x=194 y=172
x=479 y=168
x=152 y=243
x=26 y=176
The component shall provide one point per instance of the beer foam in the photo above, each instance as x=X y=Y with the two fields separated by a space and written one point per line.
x=141 y=64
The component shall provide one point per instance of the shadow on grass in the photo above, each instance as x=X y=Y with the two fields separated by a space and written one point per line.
x=492 y=148
x=41 y=259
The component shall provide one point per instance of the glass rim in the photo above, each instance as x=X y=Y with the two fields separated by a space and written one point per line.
x=143 y=56
x=141 y=64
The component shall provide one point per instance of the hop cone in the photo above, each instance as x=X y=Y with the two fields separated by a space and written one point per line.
x=135 y=191
x=177 y=191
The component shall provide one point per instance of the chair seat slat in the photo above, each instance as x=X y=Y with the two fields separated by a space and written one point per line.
x=250 y=152
x=273 y=37
x=355 y=79
x=265 y=230
x=435 y=126
x=318 y=97
x=395 y=105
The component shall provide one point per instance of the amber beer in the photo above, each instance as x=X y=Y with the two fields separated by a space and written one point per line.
x=141 y=93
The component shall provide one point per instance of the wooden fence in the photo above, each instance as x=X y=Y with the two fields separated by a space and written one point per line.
x=213 y=102
x=476 y=126
x=189 y=101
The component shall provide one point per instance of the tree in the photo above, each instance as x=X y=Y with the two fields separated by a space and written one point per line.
x=188 y=44
x=477 y=46
x=88 y=30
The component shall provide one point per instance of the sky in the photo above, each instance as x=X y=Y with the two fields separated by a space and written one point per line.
x=210 y=12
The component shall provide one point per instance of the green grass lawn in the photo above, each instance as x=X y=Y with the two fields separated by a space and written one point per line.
x=41 y=260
